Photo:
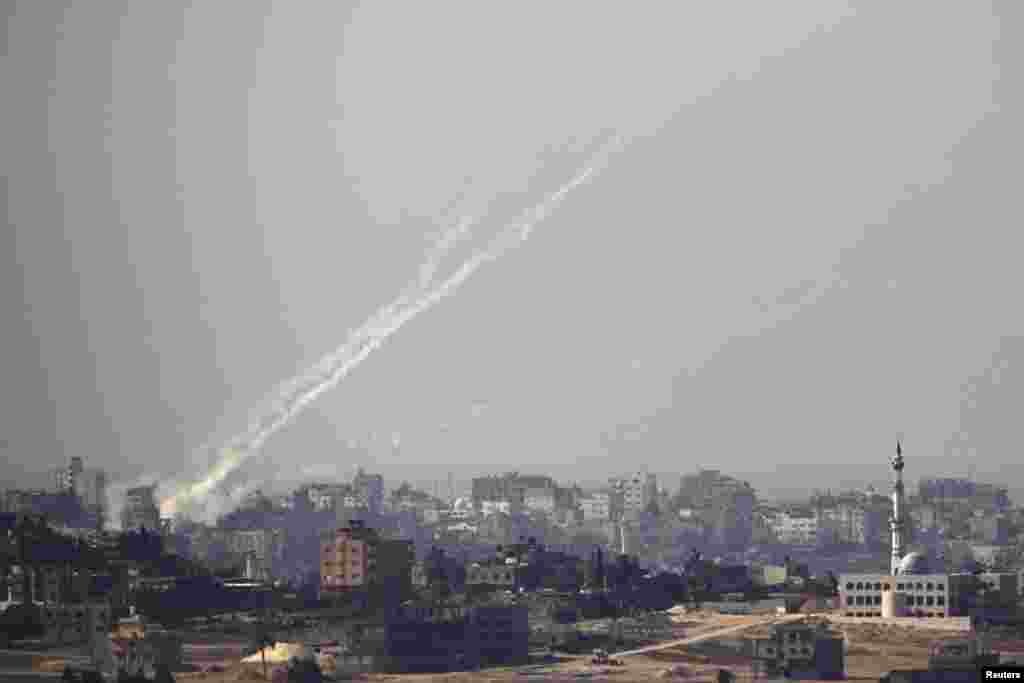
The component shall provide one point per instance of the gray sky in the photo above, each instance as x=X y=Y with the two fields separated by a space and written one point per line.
x=806 y=248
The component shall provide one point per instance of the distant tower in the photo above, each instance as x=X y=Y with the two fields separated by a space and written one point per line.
x=896 y=521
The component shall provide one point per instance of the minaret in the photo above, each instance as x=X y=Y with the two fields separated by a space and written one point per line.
x=896 y=520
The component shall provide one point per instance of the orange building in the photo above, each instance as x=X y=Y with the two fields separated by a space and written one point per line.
x=346 y=557
x=356 y=558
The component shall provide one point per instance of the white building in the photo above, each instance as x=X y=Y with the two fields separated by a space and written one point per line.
x=910 y=588
x=326 y=496
x=539 y=500
x=596 y=506
x=491 y=507
x=924 y=595
x=847 y=520
x=638 y=490
x=795 y=527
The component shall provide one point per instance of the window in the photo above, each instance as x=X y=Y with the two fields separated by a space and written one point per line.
x=931 y=586
x=940 y=601
x=860 y=600
x=920 y=586
x=930 y=601
x=886 y=586
x=878 y=586
x=849 y=600
x=939 y=587
x=860 y=586
x=899 y=586
x=920 y=601
x=878 y=599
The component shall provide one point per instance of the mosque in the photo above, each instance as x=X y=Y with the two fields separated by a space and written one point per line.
x=912 y=587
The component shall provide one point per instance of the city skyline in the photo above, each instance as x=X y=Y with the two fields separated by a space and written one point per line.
x=796 y=258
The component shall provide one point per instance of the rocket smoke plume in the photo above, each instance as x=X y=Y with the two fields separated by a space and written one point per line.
x=199 y=498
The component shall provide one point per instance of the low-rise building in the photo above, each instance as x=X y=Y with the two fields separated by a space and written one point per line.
x=801 y=651
x=440 y=638
x=75 y=624
x=492 y=507
x=924 y=595
x=494 y=574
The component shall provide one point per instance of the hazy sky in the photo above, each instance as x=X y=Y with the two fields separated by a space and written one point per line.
x=807 y=247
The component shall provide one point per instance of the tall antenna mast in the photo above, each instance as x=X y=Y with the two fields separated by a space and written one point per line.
x=896 y=521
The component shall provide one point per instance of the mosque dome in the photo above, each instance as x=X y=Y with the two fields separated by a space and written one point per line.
x=915 y=563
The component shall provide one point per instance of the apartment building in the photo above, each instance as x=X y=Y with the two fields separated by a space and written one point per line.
x=539 y=500
x=596 y=506
x=356 y=558
x=638 y=490
x=140 y=509
x=795 y=527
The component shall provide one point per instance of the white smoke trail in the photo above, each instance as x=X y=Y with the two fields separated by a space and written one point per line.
x=418 y=297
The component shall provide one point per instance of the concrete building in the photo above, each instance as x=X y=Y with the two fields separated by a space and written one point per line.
x=369 y=488
x=75 y=624
x=356 y=558
x=539 y=500
x=345 y=559
x=91 y=489
x=437 y=638
x=638 y=490
x=924 y=595
x=140 y=509
x=801 y=651
x=491 y=507
x=66 y=478
x=911 y=587
x=257 y=548
x=795 y=527
x=510 y=487
x=596 y=506
x=26 y=501
x=325 y=497
x=494 y=574
x=990 y=529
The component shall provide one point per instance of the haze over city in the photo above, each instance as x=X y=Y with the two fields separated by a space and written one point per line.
x=805 y=248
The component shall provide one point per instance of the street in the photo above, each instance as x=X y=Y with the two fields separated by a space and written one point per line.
x=712 y=634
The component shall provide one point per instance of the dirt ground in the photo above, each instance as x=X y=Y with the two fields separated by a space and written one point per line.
x=872 y=651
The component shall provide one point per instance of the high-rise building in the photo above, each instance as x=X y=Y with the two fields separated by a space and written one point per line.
x=638 y=491
x=140 y=509
x=66 y=478
x=370 y=489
